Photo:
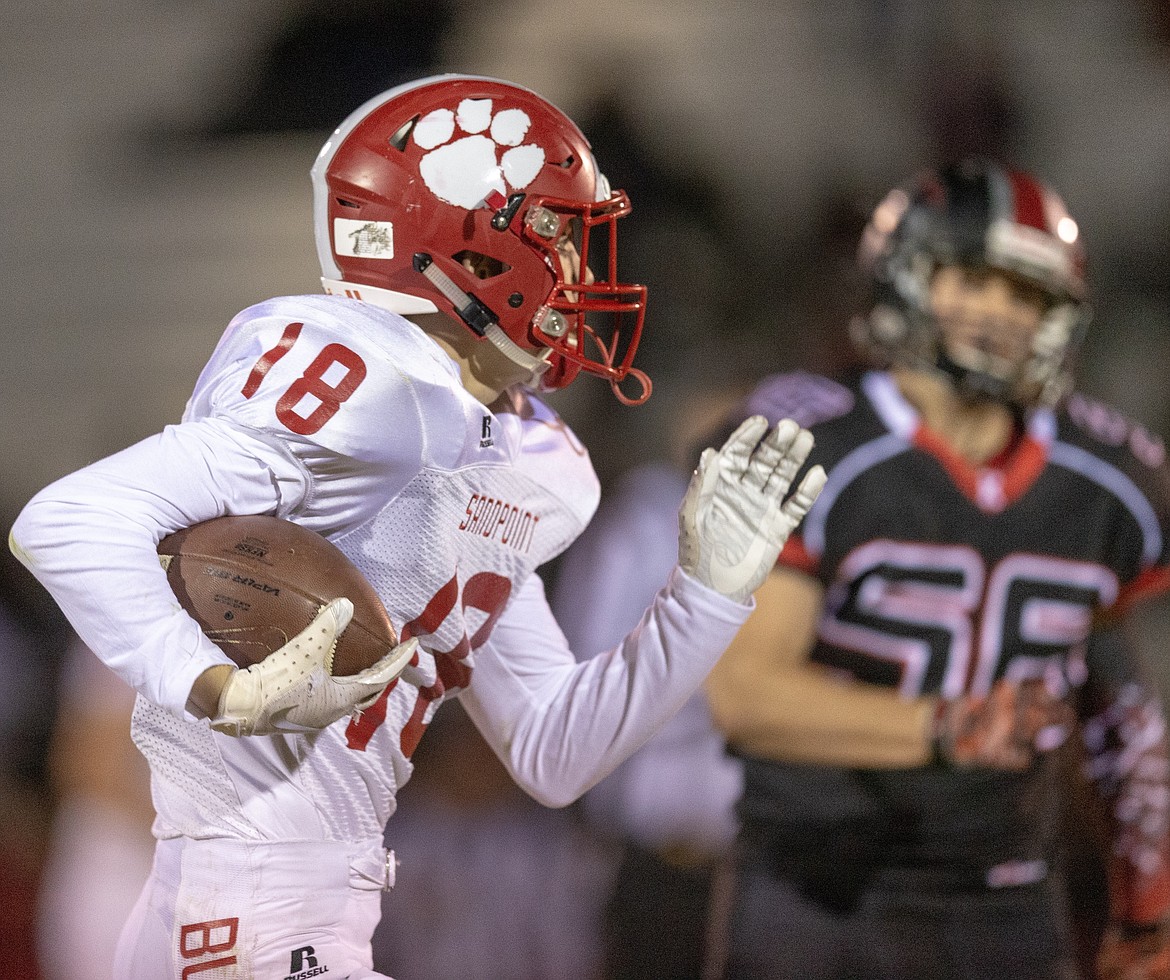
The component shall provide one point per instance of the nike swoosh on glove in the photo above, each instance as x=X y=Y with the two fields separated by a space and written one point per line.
x=291 y=690
x=734 y=519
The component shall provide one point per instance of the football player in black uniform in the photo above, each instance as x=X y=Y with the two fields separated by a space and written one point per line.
x=963 y=583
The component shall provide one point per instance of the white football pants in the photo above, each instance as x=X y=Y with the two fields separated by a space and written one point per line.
x=235 y=910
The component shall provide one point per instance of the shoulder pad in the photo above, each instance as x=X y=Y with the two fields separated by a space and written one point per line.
x=807 y=399
x=1110 y=428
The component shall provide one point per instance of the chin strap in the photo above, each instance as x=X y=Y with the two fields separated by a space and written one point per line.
x=973 y=384
x=537 y=365
x=479 y=318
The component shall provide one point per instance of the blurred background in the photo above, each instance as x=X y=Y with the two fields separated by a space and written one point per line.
x=156 y=158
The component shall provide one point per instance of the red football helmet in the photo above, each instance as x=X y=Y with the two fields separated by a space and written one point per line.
x=460 y=194
x=976 y=213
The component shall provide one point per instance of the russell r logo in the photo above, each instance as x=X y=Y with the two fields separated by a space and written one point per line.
x=485 y=433
x=303 y=964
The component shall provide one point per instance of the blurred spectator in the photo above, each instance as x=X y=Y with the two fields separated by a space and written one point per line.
x=670 y=805
x=101 y=847
x=490 y=884
x=25 y=699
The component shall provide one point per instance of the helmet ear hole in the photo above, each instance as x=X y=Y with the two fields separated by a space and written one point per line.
x=479 y=265
x=398 y=139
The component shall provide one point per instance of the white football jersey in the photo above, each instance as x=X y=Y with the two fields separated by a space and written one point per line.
x=351 y=421
x=444 y=505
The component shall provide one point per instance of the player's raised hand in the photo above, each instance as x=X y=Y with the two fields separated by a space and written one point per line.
x=734 y=518
x=291 y=690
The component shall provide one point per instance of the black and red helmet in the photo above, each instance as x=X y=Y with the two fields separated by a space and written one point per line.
x=433 y=172
x=975 y=213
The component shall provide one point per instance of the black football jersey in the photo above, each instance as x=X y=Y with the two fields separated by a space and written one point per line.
x=941 y=577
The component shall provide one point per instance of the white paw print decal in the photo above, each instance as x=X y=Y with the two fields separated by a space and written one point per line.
x=466 y=171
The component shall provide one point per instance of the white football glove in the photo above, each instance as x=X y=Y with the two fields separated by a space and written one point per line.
x=291 y=690
x=734 y=519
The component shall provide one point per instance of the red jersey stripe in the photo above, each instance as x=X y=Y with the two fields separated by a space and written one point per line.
x=1020 y=465
x=1151 y=582
x=796 y=555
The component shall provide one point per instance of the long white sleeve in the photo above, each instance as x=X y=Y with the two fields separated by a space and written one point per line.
x=90 y=539
x=561 y=725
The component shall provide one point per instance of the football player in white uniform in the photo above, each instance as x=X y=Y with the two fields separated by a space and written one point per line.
x=420 y=448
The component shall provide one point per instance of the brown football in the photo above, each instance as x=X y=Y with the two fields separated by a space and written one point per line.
x=254 y=582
